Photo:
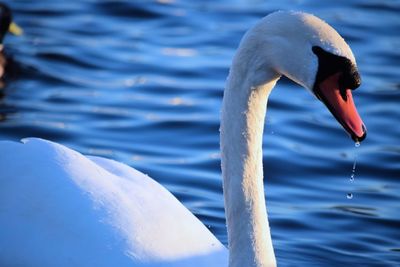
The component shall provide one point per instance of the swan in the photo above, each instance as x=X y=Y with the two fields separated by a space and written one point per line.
x=61 y=208
x=6 y=25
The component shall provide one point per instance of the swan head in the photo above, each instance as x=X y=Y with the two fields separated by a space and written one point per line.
x=6 y=23
x=308 y=51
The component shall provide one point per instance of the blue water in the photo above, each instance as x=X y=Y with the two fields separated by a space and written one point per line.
x=142 y=81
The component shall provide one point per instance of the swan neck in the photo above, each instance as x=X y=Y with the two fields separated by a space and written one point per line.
x=242 y=125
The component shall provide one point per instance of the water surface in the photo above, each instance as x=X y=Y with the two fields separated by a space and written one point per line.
x=142 y=82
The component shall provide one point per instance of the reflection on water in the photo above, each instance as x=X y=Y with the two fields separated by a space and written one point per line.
x=141 y=82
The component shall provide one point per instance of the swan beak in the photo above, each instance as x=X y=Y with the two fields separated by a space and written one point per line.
x=340 y=103
x=15 y=29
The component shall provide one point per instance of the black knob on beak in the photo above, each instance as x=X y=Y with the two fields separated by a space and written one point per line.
x=351 y=79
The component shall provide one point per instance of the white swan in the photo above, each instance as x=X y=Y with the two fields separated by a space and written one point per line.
x=60 y=208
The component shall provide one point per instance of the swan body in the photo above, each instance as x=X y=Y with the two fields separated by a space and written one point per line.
x=6 y=25
x=61 y=208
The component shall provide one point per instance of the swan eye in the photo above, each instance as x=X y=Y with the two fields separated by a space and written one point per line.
x=329 y=64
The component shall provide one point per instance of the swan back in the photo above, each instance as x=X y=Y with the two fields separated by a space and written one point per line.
x=90 y=211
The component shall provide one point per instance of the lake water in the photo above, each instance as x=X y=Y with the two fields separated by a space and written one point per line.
x=142 y=82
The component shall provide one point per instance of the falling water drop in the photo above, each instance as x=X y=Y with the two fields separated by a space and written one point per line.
x=353 y=171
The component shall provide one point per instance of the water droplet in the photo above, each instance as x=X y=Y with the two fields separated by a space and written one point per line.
x=353 y=171
x=354 y=164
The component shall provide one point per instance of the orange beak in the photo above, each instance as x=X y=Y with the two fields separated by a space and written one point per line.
x=340 y=103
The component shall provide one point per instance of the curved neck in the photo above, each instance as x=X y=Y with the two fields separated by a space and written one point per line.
x=242 y=124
